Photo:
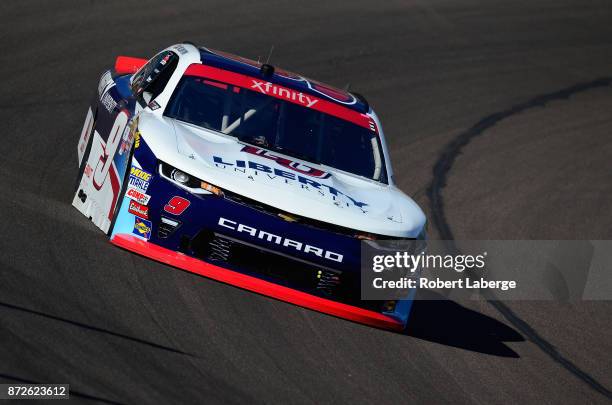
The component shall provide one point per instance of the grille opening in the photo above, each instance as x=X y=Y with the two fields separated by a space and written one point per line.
x=280 y=269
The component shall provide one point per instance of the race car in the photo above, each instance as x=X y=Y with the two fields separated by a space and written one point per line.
x=244 y=173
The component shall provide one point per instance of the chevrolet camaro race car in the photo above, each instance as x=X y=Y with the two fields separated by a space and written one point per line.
x=246 y=174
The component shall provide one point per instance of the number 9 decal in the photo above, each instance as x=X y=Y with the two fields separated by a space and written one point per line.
x=177 y=205
x=106 y=159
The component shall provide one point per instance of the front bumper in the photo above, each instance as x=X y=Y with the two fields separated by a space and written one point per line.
x=184 y=262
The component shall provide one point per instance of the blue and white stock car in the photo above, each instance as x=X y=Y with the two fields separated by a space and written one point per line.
x=246 y=174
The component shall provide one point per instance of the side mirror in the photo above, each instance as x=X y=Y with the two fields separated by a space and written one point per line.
x=128 y=65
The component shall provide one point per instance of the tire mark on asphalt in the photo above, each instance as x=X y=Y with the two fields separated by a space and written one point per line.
x=441 y=170
x=90 y=327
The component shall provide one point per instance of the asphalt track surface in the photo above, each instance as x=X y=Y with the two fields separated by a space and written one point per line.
x=499 y=118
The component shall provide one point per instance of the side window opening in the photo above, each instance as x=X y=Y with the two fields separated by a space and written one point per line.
x=151 y=80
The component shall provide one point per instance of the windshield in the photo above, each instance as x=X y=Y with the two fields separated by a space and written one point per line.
x=278 y=125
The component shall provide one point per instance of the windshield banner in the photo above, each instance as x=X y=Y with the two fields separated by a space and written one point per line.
x=284 y=93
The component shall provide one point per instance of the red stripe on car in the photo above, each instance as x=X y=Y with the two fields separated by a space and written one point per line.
x=284 y=93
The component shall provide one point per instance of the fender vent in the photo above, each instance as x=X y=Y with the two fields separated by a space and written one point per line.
x=167 y=227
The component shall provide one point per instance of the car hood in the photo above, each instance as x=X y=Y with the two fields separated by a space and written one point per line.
x=286 y=183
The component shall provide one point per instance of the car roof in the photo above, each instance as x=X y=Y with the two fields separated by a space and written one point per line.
x=238 y=64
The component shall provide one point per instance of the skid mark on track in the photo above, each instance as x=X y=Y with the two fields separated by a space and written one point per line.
x=89 y=327
x=453 y=149
x=441 y=170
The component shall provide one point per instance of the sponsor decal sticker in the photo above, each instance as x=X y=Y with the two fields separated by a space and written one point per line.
x=165 y=59
x=109 y=102
x=248 y=168
x=283 y=92
x=142 y=228
x=138 y=209
x=181 y=49
x=127 y=138
x=139 y=179
x=138 y=183
x=135 y=194
x=106 y=82
x=141 y=174
x=289 y=164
